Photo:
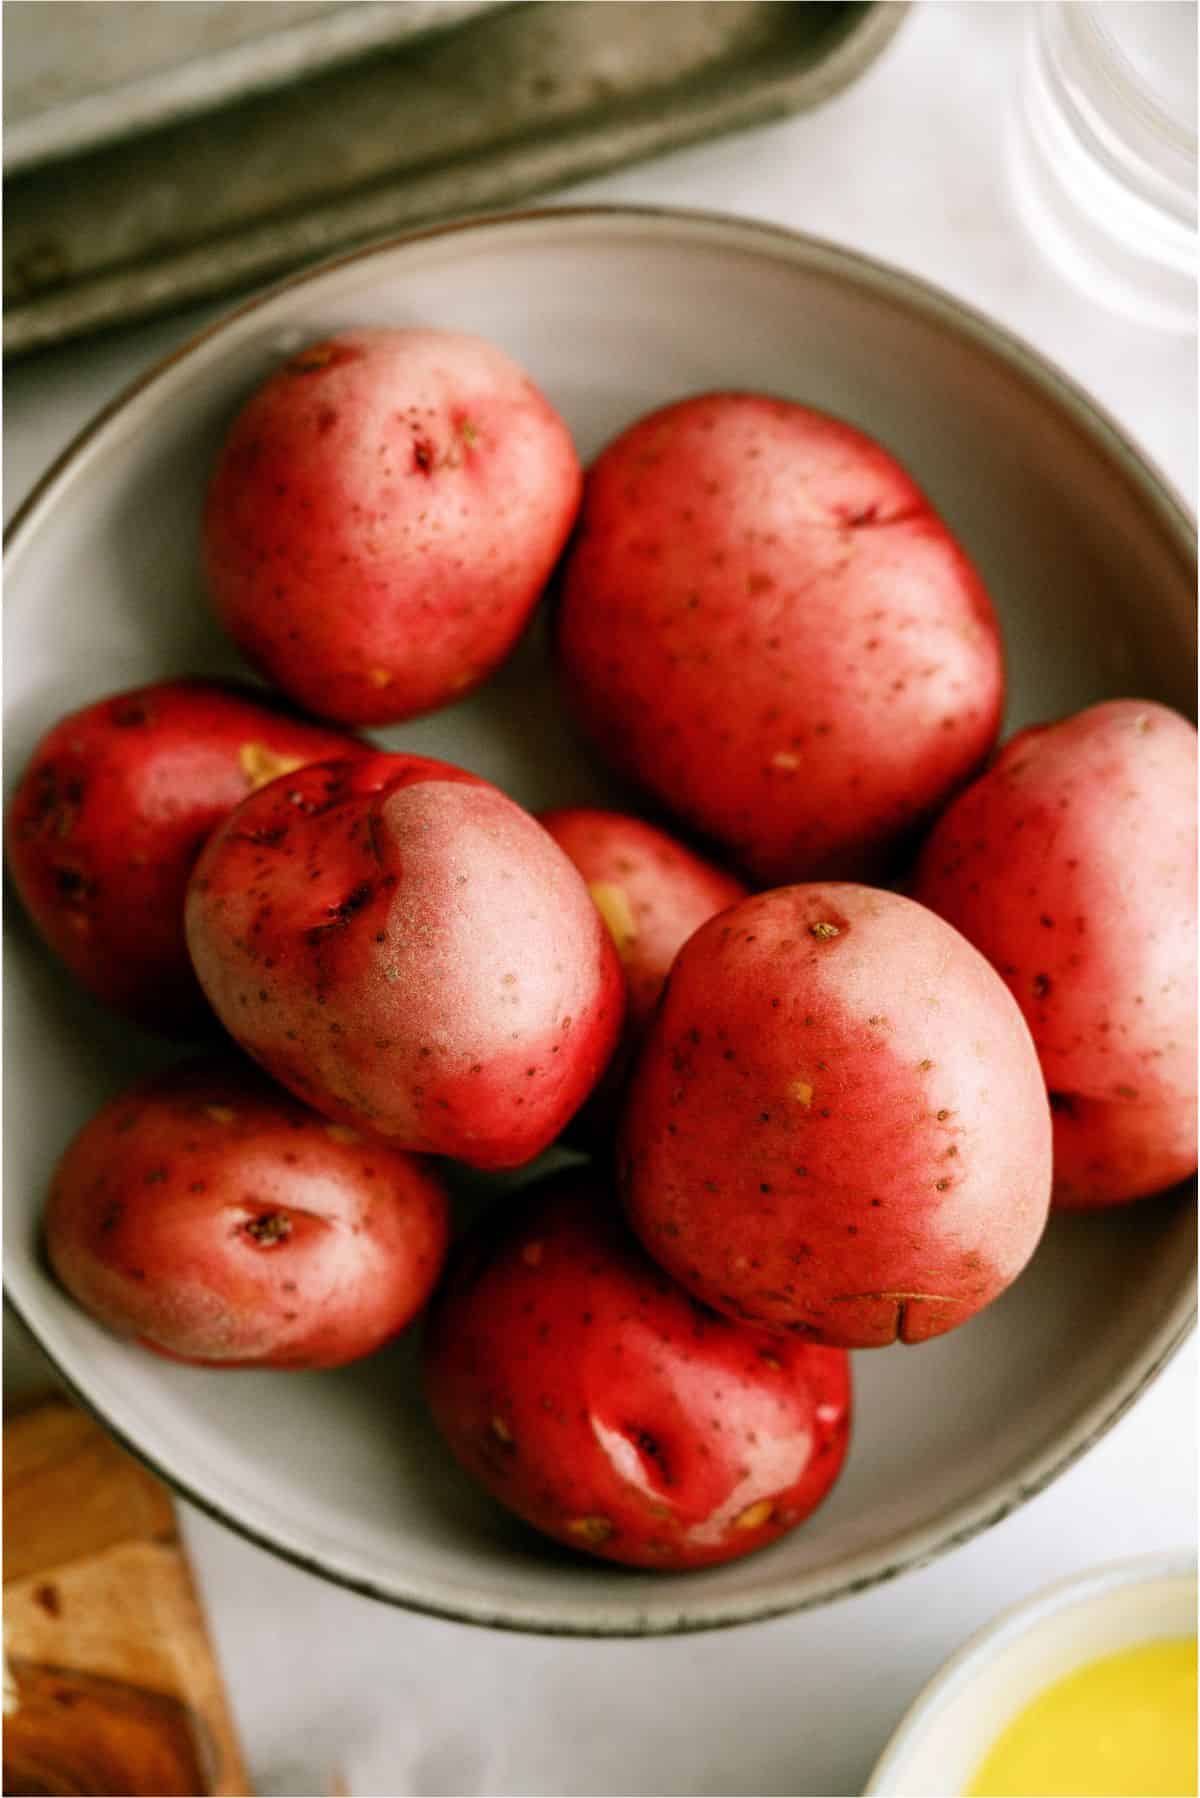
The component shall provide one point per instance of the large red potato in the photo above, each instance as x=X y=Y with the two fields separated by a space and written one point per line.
x=216 y=1219
x=652 y=892
x=599 y=1402
x=1071 y=864
x=764 y=622
x=111 y=813
x=383 y=517
x=409 y=951
x=837 y=1126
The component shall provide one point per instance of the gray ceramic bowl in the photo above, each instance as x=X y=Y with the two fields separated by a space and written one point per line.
x=1091 y=563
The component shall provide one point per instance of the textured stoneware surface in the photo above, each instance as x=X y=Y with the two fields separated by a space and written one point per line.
x=1091 y=564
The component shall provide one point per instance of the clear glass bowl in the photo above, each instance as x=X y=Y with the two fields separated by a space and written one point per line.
x=1102 y=150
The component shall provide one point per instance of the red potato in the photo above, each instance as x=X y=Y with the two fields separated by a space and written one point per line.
x=383 y=518
x=1071 y=864
x=837 y=1126
x=764 y=622
x=1106 y=1154
x=650 y=890
x=652 y=893
x=409 y=951
x=113 y=810
x=217 y=1220
x=605 y=1407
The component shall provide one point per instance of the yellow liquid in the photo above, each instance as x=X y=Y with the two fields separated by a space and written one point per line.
x=1121 y=1727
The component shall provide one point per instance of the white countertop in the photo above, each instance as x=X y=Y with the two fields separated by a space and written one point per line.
x=907 y=165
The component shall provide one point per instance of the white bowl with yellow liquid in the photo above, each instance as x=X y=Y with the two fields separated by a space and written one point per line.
x=968 y=1723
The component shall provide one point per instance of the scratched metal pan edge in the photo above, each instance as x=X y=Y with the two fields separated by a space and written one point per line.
x=512 y=103
x=340 y=1473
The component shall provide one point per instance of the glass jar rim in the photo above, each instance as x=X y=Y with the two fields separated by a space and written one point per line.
x=1114 y=75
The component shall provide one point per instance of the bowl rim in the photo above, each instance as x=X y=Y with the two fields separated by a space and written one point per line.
x=925 y=1541
x=1085 y=412
x=1009 y=1625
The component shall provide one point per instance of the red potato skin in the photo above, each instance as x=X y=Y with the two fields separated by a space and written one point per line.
x=837 y=1126
x=383 y=518
x=1071 y=864
x=406 y=949
x=113 y=810
x=217 y=1220
x=764 y=623
x=594 y=1398
x=652 y=893
x=1108 y=1154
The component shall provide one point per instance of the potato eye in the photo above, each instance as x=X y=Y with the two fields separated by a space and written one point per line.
x=268 y=1228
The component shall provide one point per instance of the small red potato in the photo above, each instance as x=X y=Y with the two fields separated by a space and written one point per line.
x=599 y=1402
x=650 y=890
x=217 y=1220
x=111 y=813
x=652 y=893
x=837 y=1126
x=1106 y=1153
x=764 y=622
x=383 y=517
x=411 y=953
x=1071 y=864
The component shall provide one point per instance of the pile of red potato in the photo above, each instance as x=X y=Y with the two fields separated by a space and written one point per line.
x=821 y=1114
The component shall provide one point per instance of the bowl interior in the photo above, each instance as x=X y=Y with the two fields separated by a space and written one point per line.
x=613 y=313
x=941 y=1743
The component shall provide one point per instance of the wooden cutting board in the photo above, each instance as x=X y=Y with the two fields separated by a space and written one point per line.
x=111 y=1685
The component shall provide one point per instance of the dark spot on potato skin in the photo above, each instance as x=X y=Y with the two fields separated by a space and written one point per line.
x=268 y=1228
x=47 y=1597
x=341 y=914
x=71 y=885
x=127 y=714
x=265 y=838
x=54 y=805
x=649 y=1446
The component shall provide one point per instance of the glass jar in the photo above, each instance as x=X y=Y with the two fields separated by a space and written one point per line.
x=1102 y=150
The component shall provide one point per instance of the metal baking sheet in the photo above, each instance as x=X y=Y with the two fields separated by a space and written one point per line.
x=513 y=102
x=78 y=73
